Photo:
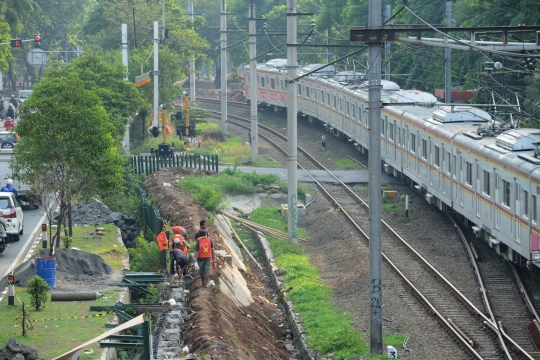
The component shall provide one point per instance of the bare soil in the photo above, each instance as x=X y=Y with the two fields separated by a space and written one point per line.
x=219 y=327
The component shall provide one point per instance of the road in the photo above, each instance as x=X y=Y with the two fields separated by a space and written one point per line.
x=32 y=223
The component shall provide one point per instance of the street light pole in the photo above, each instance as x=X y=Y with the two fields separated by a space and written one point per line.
x=253 y=84
x=156 y=72
x=292 y=154
x=125 y=62
x=448 y=58
x=375 y=255
x=192 y=61
x=224 y=69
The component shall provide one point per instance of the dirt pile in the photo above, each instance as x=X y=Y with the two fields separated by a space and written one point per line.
x=73 y=268
x=219 y=327
x=90 y=214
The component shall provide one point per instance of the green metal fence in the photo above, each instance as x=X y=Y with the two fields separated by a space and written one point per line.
x=150 y=164
x=152 y=220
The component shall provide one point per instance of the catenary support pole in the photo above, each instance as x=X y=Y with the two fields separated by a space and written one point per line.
x=125 y=62
x=448 y=58
x=253 y=84
x=375 y=256
x=156 y=72
x=192 y=61
x=292 y=154
x=387 y=15
x=224 y=69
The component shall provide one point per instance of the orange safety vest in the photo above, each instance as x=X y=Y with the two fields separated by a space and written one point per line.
x=205 y=248
x=182 y=243
x=177 y=229
x=162 y=241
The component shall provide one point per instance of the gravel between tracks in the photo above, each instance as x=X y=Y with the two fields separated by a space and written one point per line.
x=342 y=256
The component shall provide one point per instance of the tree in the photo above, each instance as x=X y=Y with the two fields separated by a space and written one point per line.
x=66 y=134
x=37 y=288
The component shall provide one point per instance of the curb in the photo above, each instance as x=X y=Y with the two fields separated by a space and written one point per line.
x=292 y=317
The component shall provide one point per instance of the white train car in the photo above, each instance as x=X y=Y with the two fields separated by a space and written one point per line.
x=461 y=158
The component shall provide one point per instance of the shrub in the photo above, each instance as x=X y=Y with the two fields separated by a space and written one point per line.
x=37 y=288
x=209 y=197
x=145 y=256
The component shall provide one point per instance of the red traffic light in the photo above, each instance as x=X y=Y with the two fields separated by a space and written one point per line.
x=11 y=279
x=37 y=38
x=16 y=43
x=43 y=227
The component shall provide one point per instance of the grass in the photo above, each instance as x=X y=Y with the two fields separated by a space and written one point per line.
x=266 y=162
x=55 y=337
x=152 y=142
x=105 y=246
x=347 y=164
x=328 y=329
x=394 y=340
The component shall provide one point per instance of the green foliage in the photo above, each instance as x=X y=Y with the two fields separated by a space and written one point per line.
x=155 y=294
x=67 y=241
x=394 y=339
x=347 y=164
x=37 y=288
x=209 y=190
x=145 y=256
x=329 y=331
x=125 y=202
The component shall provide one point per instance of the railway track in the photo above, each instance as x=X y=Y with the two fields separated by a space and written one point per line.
x=475 y=331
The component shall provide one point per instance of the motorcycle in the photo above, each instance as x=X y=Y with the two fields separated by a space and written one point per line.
x=3 y=242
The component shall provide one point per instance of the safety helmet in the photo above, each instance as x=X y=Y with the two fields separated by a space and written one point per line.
x=9 y=181
x=176 y=240
x=8 y=119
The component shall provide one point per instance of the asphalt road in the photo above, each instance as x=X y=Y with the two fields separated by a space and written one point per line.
x=32 y=223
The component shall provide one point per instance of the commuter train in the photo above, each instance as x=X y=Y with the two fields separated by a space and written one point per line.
x=460 y=157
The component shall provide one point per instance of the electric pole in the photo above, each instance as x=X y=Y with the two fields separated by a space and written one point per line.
x=192 y=61
x=447 y=58
x=224 y=69
x=253 y=83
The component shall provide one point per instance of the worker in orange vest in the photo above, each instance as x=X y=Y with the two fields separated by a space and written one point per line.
x=179 y=260
x=204 y=255
x=182 y=243
x=178 y=230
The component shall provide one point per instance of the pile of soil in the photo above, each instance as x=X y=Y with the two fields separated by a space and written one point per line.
x=219 y=326
x=74 y=268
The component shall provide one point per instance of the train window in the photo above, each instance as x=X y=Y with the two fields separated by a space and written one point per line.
x=353 y=109
x=454 y=165
x=436 y=155
x=299 y=90
x=391 y=131
x=328 y=99
x=382 y=127
x=487 y=183
x=525 y=203
x=347 y=108
x=272 y=84
x=307 y=92
x=506 y=193
x=468 y=173
x=424 y=149
x=413 y=143
x=534 y=213
x=335 y=102
x=262 y=81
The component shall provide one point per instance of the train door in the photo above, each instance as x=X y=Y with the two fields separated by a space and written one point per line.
x=395 y=137
x=460 y=177
x=406 y=149
x=496 y=199
x=476 y=189
x=517 y=210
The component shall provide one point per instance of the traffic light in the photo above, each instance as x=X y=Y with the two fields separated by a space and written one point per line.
x=37 y=41
x=154 y=131
x=178 y=115
x=11 y=279
x=16 y=43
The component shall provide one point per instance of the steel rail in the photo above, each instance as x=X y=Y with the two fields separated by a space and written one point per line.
x=464 y=341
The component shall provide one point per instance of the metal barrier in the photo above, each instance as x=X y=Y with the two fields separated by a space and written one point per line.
x=150 y=164
x=152 y=219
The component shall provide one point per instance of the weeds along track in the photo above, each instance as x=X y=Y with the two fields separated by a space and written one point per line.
x=477 y=333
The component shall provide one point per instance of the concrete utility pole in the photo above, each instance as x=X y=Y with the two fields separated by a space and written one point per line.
x=447 y=58
x=253 y=84
x=156 y=73
x=224 y=69
x=163 y=19
x=375 y=256
x=292 y=92
x=192 y=61
x=125 y=62
x=387 y=15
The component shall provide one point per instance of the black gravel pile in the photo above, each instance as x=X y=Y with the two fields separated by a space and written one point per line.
x=90 y=214
x=129 y=229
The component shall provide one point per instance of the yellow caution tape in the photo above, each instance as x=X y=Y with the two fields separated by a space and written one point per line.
x=69 y=317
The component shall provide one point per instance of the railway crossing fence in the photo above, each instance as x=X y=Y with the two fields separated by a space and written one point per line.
x=150 y=164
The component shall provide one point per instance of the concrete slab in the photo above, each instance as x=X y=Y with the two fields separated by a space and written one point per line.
x=347 y=176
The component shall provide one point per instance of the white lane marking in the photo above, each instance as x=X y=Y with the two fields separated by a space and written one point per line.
x=35 y=234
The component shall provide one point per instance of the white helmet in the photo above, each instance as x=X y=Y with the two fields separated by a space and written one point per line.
x=9 y=181
x=176 y=240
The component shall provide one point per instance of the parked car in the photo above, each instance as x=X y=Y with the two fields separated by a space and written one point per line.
x=8 y=140
x=23 y=94
x=13 y=214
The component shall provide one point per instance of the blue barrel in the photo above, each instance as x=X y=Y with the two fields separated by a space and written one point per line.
x=46 y=268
